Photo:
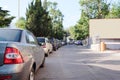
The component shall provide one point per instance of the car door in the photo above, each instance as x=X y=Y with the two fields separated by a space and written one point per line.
x=37 y=51
x=50 y=46
x=47 y=44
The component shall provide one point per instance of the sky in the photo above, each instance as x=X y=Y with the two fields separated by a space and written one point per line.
x=69 y=8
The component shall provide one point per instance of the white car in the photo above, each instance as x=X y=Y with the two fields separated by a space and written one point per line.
x=47 y=46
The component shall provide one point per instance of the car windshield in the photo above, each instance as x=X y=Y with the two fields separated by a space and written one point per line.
x=10 y=35
x=42 y=40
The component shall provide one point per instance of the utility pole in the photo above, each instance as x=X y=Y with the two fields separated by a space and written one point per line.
x=18 y=9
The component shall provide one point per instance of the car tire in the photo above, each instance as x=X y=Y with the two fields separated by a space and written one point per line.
x=32 y=75
x=54 y=49
x=51 y=51
x=46 y=54
x=43 y=63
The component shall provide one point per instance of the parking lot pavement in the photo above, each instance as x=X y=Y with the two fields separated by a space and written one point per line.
x=80 y=63
x=109 y=59
x=112 y=61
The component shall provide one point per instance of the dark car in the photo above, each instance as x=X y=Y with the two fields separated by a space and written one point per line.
x=54 y=43
x=20 y=55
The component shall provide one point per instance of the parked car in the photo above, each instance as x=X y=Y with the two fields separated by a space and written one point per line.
x=78 y=42
x=63 y=43
x=47 y=46
x=20 y=55
x=54 y=43
x=59 y=43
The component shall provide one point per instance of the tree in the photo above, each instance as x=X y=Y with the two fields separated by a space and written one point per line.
x=37 y=20
x=114 y=11
x=95 y=8
x=72 y=32
x=33 y=18
x=57 y=20
x=47 y=19
x=81 y=30
x=90 y=9
x=5 y=18
x=83 y=25
x=21 y=23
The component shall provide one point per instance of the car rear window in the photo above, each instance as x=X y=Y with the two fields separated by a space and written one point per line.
x=41 y=40
x=10 y=35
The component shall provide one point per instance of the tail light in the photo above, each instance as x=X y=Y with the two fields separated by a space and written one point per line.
x=44 y=45
x=12 y=56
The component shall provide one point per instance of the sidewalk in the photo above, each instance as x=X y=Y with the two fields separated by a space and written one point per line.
x=110 y=60
x=112 y=55
x=106 y=51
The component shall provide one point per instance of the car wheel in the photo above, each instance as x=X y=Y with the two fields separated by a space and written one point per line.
x=46 y=54
x=32 y=74
x=54 y=49
x=43 y=63
x=51 y=51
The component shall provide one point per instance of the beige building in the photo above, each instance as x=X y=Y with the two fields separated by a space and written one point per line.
x=105 y=30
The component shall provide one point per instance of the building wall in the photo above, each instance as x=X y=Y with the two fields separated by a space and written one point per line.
x=112 y=43
x=105 y=30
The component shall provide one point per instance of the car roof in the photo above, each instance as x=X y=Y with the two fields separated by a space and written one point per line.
x=12 y=28
x=43 y=37
x=40 y=37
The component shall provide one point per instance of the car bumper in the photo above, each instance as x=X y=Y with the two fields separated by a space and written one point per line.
x=45 y=50
x=14 y=72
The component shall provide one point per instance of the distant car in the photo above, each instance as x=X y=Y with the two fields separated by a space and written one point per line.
x=20 y=55
x=78 y=42
x=59 y=43
x=47 y=46
x=63 y=43
x=54 y=43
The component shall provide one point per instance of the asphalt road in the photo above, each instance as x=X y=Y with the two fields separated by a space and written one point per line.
x=73 y=62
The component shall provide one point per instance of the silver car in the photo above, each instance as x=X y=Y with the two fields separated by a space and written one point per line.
x=20 y=55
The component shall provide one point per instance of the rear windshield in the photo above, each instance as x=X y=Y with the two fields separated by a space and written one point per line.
x=10 y=35
x=42 y=40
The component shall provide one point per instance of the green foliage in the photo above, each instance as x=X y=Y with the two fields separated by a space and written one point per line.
x=5 y=18
x=37 y=19
x=72 y=32
x=95 y=8
x=57 y=20
x=33 y=15
x=84 y=25
x=44 y=20
x=90 y=9
x=114 y=11
x=21 y=23
x=81 y=30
